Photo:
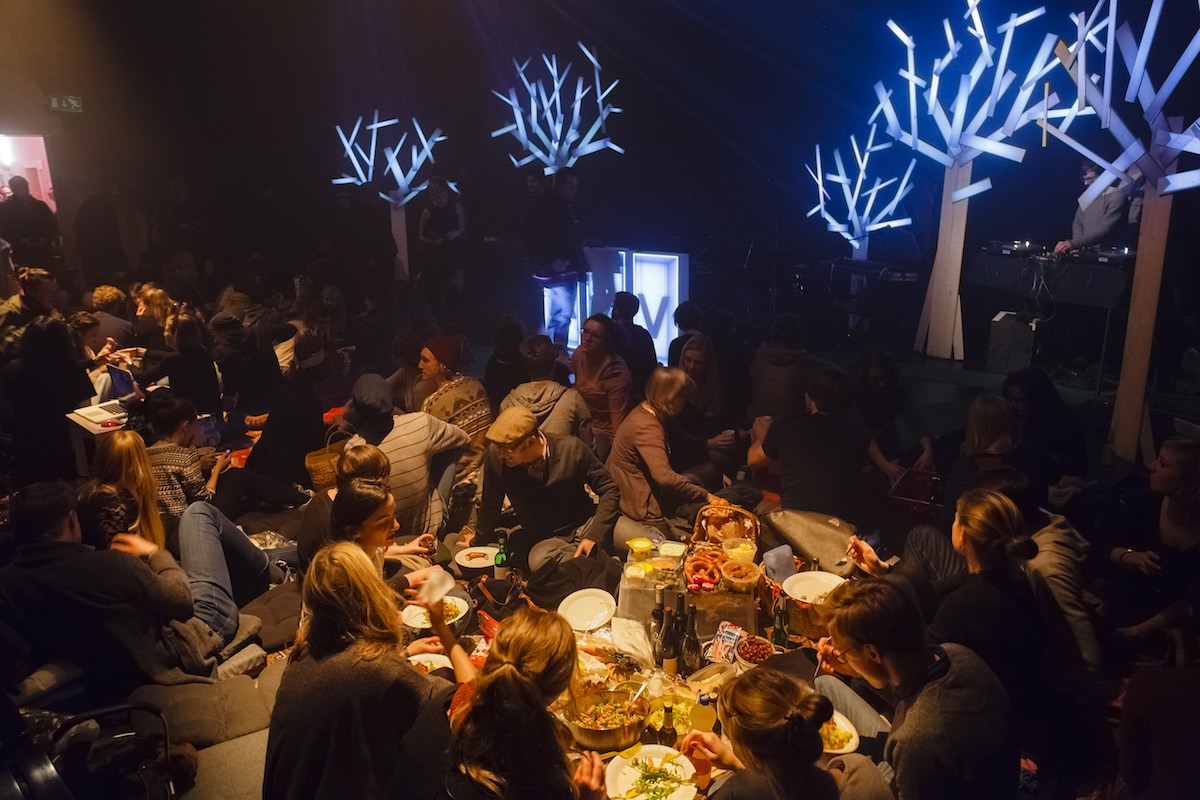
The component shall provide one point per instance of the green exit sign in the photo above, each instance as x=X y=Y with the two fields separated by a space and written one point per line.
x=66 y=102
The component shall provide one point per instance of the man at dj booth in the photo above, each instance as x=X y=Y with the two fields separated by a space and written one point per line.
x=1095 y=224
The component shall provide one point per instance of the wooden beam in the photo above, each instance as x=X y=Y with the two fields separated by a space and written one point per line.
x=1139 y=333
x=939 y=332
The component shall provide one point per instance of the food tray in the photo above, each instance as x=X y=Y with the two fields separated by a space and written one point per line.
x=919 y=492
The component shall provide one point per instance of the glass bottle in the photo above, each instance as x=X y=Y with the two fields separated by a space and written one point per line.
x=779 y=631
x=656 y=616
x=815 y=566
x=704 y=713
x=690 y=652
x=670 y=644
x=500 y=570
x=667 y=734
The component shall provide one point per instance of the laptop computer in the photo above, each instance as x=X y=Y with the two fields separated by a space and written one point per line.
x=123 y=390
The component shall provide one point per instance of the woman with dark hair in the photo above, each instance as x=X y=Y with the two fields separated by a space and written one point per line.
x=879 y=399
x=1044 y=420
x=603 y=380
x=150 y=320
x=42 y=386
x=1154 y=551
x=295 y=425
x=364 y=512
x=773 y=724
x=349 y=693
x=189 y=366
x=530 y=664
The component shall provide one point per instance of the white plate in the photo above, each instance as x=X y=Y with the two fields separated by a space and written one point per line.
x=587 y=609
x=415 y=616
x=845 y=724
x=432 y=661
x=622 y=774
x=808 y=586
x=460 y=557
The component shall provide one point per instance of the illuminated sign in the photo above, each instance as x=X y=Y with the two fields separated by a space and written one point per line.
x=660 y=281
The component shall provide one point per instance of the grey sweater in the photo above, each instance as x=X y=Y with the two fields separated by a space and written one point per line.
x=952 y=736
x=559 y=410
x=1093 y=224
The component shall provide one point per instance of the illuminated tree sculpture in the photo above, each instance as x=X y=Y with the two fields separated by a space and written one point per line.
x=865 y=212
x=1150 y=157
x=967 y=127
x=549 y=125
x=363 y=160
x=364 y=157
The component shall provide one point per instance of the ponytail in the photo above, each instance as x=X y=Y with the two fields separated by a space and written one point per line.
x=507 y=737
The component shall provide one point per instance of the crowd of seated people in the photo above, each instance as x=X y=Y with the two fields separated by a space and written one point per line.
x=1001 y=630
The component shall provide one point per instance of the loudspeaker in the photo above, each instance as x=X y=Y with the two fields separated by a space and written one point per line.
x=1010 y=344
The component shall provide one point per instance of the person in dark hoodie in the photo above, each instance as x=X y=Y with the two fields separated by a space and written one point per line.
x=249 y=371
x=559 y=410
x=780 y=369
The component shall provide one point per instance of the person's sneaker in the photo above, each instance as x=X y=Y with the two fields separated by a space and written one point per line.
x=281 y=572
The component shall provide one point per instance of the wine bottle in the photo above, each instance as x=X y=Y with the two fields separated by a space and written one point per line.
x=669 y=644
x=680 y=617
x=779 y=631
x=500 y=571
x=815 y=566
x=667 y=734
x=690 y=651
x=656 y=616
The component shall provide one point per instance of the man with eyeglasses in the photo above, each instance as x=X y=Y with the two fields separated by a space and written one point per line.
x=1093 y=224
x=952 y=733
x=546 y=479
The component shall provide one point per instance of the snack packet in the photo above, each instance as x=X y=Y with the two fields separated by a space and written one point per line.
x=724 y=644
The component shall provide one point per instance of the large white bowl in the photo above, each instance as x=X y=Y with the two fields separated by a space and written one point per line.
x=806 y=587
x=474 y=567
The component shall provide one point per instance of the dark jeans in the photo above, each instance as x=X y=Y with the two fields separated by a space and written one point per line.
x=224 y=568
x=932 y=567
x=239 y=489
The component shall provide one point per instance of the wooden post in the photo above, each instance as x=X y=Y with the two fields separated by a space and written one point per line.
x=400 y=236
x=939 y=332
x=1139 y=333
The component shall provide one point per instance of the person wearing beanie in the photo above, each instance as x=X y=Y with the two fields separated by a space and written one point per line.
x=461 y=401
x=546 y=478
x=411 y=441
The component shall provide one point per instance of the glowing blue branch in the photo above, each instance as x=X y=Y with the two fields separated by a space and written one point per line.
x=550 y=126
x=363 y=160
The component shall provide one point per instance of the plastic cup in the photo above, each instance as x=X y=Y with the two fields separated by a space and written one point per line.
x=436 y=586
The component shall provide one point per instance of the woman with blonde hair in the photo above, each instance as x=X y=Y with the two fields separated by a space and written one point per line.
x=530 y=664
x=773 y=724
x=652 y=492
x=122 y=497
x=349 y=694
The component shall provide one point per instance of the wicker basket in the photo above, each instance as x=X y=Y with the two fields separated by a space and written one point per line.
x=716 y=524
x=322 y=464
x=804 y=620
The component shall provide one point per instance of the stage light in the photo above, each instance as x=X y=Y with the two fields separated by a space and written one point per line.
x=6 y=151
x=544 y=131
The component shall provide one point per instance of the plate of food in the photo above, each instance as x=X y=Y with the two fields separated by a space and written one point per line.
x=839 y=736
x=652 y=772
x=811 y=587
x=587 y=609
x=428 y=662
x=476 y=557
x=417 y=617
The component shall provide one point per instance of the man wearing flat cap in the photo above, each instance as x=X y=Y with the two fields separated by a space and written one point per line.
x=546 y=479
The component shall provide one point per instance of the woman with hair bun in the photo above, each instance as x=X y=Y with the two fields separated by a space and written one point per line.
x=773 y=721
x=506 y=743
x=973 y=589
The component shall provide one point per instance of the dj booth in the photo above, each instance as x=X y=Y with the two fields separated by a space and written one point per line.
x=1021 y=277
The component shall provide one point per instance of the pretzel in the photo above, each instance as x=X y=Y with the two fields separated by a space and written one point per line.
x=704 y=566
